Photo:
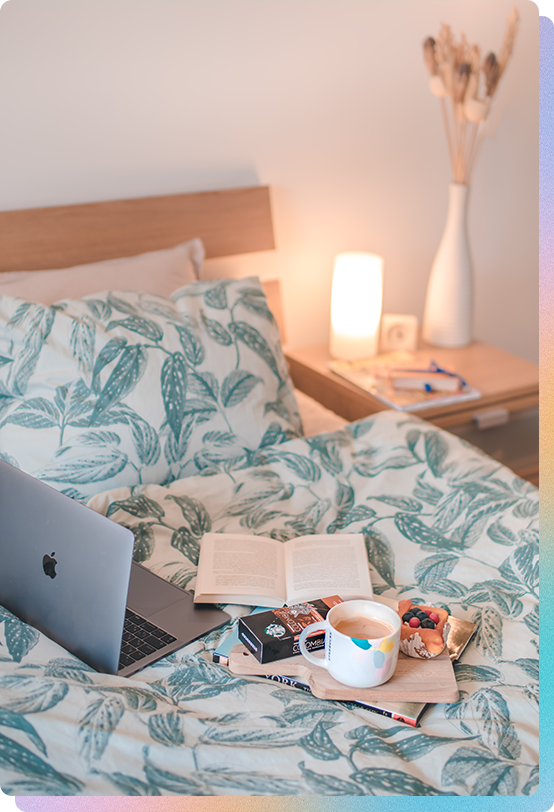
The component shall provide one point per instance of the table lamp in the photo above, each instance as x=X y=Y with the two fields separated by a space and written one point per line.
x=356 y=301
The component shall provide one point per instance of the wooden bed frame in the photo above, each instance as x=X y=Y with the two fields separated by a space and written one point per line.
x=228 y=221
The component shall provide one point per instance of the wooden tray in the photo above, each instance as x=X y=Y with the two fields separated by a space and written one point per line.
x=413 y=680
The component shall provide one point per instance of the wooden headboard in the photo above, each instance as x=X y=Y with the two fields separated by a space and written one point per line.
x=228 y=221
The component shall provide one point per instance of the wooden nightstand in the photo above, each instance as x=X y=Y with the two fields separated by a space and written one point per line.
x=505 y=381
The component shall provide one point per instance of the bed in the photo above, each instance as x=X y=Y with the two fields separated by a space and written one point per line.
x=171 y=411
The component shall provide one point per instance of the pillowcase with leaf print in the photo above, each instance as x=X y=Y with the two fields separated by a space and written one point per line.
x=125 y=388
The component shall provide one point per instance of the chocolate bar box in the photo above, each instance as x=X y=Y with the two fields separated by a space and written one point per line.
x=274 y=634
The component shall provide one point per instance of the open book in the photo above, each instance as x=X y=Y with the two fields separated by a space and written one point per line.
x=260 y=570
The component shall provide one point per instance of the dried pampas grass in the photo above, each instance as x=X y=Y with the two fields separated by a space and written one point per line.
x=457 y=73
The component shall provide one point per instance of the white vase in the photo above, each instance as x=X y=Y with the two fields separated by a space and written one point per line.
x=448 y=317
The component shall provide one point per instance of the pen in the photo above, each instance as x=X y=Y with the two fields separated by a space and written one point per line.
x=431 y=370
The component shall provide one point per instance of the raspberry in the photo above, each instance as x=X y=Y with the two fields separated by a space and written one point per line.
x=434 y=617
x=414 y=623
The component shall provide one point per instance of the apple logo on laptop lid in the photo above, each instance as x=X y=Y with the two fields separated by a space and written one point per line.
x=49 y=565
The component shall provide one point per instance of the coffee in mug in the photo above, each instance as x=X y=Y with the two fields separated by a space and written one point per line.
x=363 y=628
x=361 y=643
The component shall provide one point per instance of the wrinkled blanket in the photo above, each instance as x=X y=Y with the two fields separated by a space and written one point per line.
x=443 y=524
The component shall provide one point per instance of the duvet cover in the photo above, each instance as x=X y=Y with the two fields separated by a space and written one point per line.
x=443 y=525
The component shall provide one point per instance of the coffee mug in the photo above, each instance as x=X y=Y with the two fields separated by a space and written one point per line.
x=361 y=643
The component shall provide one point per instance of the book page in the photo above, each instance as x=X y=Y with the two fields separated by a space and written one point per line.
x=322 y=565
x=240 y=568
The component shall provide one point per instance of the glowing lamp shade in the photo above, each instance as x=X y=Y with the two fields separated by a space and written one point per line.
x=356 y=300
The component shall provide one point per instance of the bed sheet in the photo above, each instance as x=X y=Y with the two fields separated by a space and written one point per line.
x=443 y=525
x=315 y=417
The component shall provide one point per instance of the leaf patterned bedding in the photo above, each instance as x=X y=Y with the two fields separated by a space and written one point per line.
x=124 y=388
x=443 y=524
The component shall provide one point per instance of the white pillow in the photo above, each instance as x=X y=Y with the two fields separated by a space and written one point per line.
x=159 y=272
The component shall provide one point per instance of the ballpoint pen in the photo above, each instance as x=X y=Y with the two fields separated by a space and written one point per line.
x=414 y=378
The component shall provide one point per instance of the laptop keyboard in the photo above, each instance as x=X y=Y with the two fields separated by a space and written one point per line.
x=140 y=638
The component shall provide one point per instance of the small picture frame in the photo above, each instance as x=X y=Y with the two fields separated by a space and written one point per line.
x=398 y=332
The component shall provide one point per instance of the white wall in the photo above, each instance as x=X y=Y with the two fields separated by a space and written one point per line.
x=324 y=100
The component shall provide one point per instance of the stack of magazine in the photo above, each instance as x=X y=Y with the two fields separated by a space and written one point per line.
x=410 y=713
x=378 y=375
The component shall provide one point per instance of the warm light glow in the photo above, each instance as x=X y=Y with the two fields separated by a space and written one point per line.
x=356 y=301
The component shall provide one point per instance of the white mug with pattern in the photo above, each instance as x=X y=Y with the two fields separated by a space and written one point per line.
x=361 y=643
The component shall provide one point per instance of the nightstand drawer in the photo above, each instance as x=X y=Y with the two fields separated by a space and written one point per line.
x=514 y=444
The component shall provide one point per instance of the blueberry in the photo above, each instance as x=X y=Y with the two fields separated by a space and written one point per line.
x=427 y=624
x=422 y=615
x=407 y=617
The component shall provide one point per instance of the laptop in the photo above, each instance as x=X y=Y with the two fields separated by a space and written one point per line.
x=69 y=572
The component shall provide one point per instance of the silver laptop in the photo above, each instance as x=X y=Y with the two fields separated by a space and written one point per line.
x=68 y=571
